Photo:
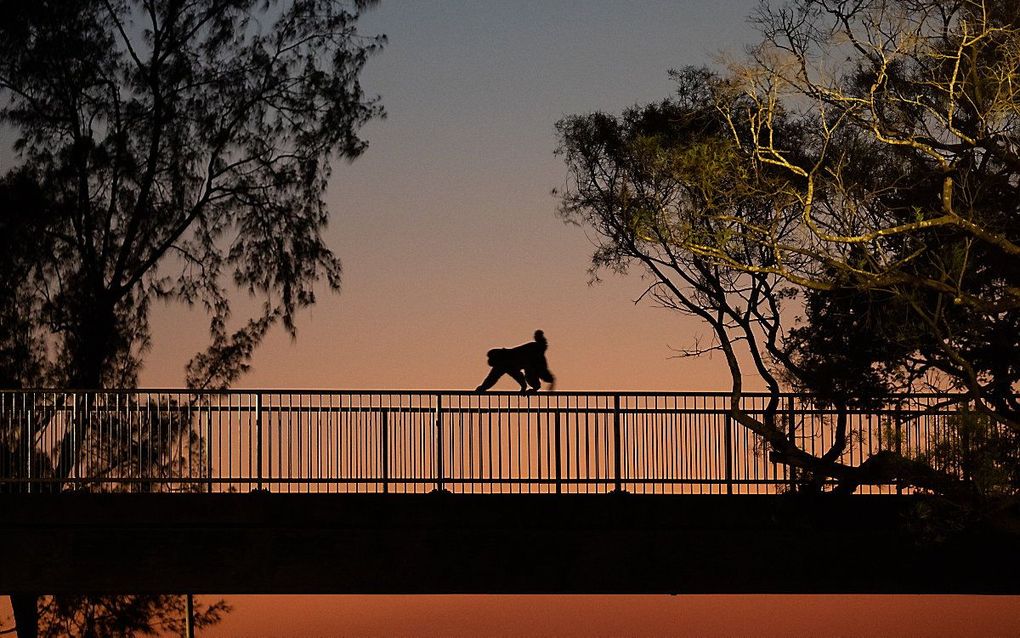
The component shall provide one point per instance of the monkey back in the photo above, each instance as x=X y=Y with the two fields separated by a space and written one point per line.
x=496 y=356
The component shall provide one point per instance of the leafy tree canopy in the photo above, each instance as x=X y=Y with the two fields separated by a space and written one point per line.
x=173 y=151
x=860 y=170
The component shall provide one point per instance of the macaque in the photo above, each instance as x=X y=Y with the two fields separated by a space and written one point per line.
x=525 y=364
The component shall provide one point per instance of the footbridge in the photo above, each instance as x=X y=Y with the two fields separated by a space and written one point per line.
x=454 y=492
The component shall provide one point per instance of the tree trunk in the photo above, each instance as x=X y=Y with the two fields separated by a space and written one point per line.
x=26 y=614
x=835 y=451
x=90 y=353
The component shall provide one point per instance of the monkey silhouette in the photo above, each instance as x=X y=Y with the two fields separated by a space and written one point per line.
x=526 y=364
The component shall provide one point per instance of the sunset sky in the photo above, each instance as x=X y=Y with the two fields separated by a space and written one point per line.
x=451 y=246
x=448 y=232
x=447 y=227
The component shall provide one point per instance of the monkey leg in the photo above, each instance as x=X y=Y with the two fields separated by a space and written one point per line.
x=519 y=378
x=491 y=379
x=532 y=377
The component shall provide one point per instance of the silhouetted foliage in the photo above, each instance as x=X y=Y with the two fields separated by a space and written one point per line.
x=137 y=615
x=667 y=187
x=908 y=203
x=897 y=244
x=182 y=149
x=911 y=192
x=22 y=236
x=168 y=151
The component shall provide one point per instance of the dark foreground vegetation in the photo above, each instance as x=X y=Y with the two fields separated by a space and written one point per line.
x=168 y=151
x=840 y=209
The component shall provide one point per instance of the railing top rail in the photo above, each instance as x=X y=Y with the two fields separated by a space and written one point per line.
x=347 y=392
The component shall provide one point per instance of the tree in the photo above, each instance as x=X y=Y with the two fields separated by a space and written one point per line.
x=180 y=144
x=174 y=151
x=877 y=194
x=910 y=194
x=669 y=187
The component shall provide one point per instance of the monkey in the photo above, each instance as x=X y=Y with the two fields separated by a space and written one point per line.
x=525 y=364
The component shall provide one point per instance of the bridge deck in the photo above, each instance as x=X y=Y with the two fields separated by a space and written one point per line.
x=443 y=543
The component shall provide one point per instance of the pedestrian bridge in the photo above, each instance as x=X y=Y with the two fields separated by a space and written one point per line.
x=174 y=491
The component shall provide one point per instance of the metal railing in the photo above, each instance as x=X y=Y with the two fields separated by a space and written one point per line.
x=405 y=442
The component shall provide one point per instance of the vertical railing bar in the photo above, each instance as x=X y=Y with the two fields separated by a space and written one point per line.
x=689 y=425
x=219 y=436
x=520 y=487
x=290 y=441
x=898 y=416
x=314 y=472
x=728 y=444
x=473 y=419
x=439 y=441
x=464 y=451
x=423 y=435
x=299 y=459
x=187 y=442
x=538 y=443
x=29 y=444
x=647 y=421
x=138 y=414
x=350 y=444
x=499 y=441
x=589 y=429
x=698 y=443
x=792 y=416
x=669 y=443
x=527 y=429
x=559 y=472
x=160 y=438
x=365 y=401
x=322 y=446
x=362 y=443
x=618 y=485
x=488 y=434
x=644 y=421
x=710 y=457
x=230 y=436
x=73 y=463
x=417 y=460
x=658 y=456
x=577 y=442
x=364 y=440
x=330 y=445
x=208 y=445
x=258 y=442
x=479 y=462
x=600 y=467
x=385 y=452
x=353 y=413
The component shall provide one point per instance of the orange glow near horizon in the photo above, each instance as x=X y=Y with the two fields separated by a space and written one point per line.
x=613 y=616
x=632 y=616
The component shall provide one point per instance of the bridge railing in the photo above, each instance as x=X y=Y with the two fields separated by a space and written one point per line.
x=406 y=442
